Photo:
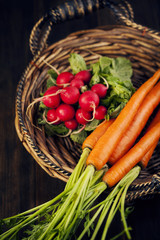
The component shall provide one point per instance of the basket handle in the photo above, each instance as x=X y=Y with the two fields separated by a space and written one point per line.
x=70 y=10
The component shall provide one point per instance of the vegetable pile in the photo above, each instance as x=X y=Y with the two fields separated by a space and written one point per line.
x=60 y=217
x=75 y=102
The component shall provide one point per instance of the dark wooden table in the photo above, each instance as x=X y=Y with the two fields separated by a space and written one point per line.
x=23 y=184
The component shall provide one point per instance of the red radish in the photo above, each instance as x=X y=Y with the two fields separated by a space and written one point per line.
x=82 y=116
x=52 y=117
x=65 y=112
x=64 y=78
x=100 y=112
x=71 y=124
x=77 y=83
x=51 y=101
x=88 y=101
x=84 y=75
x=100 y=89
x=70 y=95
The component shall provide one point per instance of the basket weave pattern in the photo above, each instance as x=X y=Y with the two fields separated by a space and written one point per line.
x=58 y=156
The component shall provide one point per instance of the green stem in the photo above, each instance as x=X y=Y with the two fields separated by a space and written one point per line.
x=93 y=194
x=79 y=199
x=111 y=214
x=125 y=183
x=90 y=223
x=74 y=199
x=122 y=213
x=109 y=197
x=72 y=218
x=31 y=217
x=104 y=212
x=79 y=169
x=97 y=176
x=28 y=211
x=111 y=203
x=136 y=171
x=120 y=234
x=52 y=235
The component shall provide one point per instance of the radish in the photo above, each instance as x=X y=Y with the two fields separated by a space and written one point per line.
x=71 y=124
x=70 y=95
x=100 y=112
x=100 y=89
x=77 y=83
x=51 y=99
x=64 y=78
x=65 y=112
x=82 y=116
x=52 y=117
x=84 y=75
x=88 y=101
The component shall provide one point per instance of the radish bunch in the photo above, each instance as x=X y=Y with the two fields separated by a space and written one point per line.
x=68 y=104
x=76 y=102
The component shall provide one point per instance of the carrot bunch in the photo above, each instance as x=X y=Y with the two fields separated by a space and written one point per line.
x=116 y=199
x=122 y=134
x=91 y=176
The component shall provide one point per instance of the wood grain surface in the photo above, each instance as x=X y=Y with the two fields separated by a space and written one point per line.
x=23 y=184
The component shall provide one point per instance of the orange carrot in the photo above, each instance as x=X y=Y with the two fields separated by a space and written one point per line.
x=147 y=107
x=107 y=143
x=132 y=157
x=144 y=161
x=92 y=139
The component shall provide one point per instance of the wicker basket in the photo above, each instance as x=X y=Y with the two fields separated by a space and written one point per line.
x=58 y=156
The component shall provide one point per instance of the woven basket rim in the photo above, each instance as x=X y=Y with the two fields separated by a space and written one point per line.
x=21 y=128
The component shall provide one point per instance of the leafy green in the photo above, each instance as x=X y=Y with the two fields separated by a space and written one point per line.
x=117 y=73
x=42 y=107
x=95 y=74
x=87 y=221
x=51 y=82
x=56 y=129
x=95 y=68
x=121 y=68
x=52 y=73
x=52 y=78
x=84 y=88
x=92 y=125
x=79 y=137
x=105 y=63
x=94 y=80
x=118 y=95
x=77 y=63
x=41 y=121
x=113 y=111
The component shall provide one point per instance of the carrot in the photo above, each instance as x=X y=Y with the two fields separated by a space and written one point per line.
x=92 y=139
x=144 y=161
x=87 y=146
x=107 y=143
x=132 y=157
x=116 y=199
x=147 y=107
